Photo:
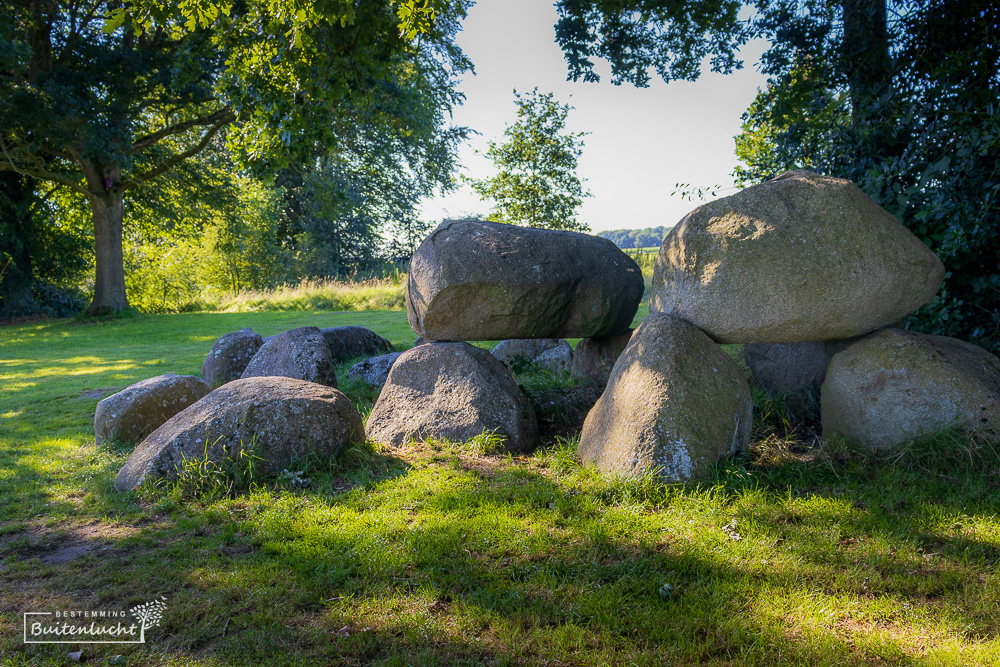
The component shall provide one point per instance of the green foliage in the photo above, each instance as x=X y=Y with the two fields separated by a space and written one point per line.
x=648 y=237
x=536 y=184
x=926 y=148
x=670 y=37
x=201 y=477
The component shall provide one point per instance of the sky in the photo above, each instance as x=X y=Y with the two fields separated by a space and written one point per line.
x=642 y=141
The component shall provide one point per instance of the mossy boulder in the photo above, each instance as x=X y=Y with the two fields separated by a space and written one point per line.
x=452 y=391
x=474 y=280
x=302 y=354
x=138 y=410
x=802 y=257
x=230 y=356
x=281 y=420
x=896 y=385
x=675 y=404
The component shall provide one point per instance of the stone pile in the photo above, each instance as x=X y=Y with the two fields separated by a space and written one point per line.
x=275 y=398
x=472 y=280
x=803 y=269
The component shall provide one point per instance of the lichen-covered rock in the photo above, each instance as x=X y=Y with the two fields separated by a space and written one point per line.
x=513 y=351
x=279 y=419
x=353 y=341
x=802 y=257
x=302 y=354
x=791 y=367
x=138 y=410
x=676 y=404
x=374 y=370
x=594 y=358
x=474 y=280
x=558 y=359
x=229 y=357
x=896 y=385
x=452 y=391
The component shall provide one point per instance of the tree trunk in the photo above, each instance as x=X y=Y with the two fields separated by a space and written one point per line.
x=16 y=274
x=866 y=57
x=108 y=210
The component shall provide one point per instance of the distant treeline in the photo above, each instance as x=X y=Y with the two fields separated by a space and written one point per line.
x=636 y=238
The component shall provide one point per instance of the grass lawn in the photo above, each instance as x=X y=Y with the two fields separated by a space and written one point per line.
x=445 y=554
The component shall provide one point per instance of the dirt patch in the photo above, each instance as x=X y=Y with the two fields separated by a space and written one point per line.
x=63 y=544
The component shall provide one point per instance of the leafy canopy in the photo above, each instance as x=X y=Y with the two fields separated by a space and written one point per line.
x=536 y=184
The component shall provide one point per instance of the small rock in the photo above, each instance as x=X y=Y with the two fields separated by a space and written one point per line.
x=559 y=359
x=229 y=357
x=353 y=341
x=374 y=370
x=135 y=412
x=594 y=358
x=302 y=354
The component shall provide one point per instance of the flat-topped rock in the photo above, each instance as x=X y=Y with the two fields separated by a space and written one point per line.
x=896 y=385
x=302 y=354
x=138 y=410
x=279 y=419
x=473 y=280
x=452 y=391
x=230 y=356
x=374 y=370
x=802 y=257
x=675 y=405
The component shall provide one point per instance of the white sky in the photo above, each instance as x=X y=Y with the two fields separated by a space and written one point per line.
x=643 y=141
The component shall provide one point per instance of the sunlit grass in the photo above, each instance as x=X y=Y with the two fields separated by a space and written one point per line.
x=316 y=295
x=799 y=552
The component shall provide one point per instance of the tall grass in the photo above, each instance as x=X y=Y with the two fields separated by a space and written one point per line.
x=311 y=294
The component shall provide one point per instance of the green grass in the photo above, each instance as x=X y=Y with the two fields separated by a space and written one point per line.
x=387 y=293
x=800 y=552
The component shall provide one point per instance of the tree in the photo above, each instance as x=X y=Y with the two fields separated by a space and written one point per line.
x=536 y=184
x=103 y=109
x=898 y=96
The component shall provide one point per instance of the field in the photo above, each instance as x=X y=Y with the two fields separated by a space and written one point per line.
x=798 y=552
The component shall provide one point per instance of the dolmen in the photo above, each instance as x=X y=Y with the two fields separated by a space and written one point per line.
x=471 y=280
x=810 y=274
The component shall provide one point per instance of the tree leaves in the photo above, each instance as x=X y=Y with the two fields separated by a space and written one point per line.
x=536 y=184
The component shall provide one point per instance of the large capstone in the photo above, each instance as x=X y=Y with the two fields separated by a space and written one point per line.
x=302 y=354
x=452 y=391
x=281 y=420
x=896 y=385
x=473 y=280
x=675 y=405
x=138 y=410
x=230 y=356
x=354 y=341
x=802 y=257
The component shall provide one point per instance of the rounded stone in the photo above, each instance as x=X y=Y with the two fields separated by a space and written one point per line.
x=282 y=420
x=452 y=391
x=675 y=405
x=896 y=385
x=135 y=412
x=230 y=356
x=475 y=280
x=302 y=354
x=799 y=258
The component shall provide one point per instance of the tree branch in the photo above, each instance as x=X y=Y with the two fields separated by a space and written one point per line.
x=212 y=119
x=180 y=157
